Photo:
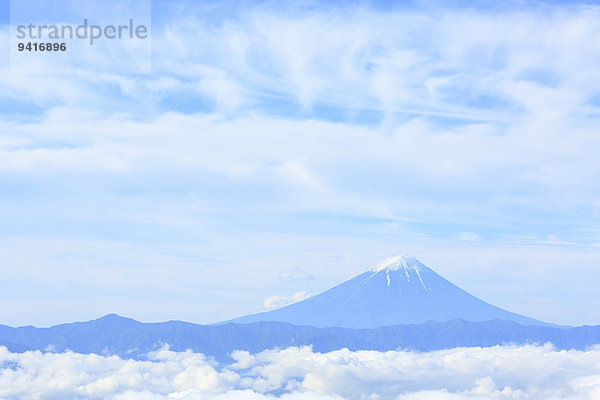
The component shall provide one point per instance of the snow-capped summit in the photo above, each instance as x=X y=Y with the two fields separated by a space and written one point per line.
x=407 y=265
x=398 y=262
x=398 y=290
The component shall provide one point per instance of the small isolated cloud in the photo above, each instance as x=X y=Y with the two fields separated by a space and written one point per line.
x=295 y=275
x=501 y=372
x=274 y=302
x=469 y=237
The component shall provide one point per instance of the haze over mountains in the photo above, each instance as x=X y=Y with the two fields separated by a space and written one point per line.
x=399 y=290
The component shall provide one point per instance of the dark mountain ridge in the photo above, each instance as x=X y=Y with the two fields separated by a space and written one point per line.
x=127 y=338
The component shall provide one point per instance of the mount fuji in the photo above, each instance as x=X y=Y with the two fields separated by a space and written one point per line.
x=398 y=304
x=398 y=290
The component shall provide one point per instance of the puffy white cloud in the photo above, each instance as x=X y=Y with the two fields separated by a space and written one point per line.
x=274 y=302
x=527 y=372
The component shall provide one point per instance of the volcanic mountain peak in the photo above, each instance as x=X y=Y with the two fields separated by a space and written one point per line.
x=398 y=290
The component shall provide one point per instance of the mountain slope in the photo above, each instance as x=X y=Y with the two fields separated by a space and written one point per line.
x=399 y=290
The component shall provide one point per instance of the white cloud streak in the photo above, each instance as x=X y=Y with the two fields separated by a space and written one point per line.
x=528 y=372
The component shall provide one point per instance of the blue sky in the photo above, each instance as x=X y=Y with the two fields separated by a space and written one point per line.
x=281 y=150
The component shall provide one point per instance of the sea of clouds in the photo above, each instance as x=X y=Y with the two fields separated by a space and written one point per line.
x=501 y=372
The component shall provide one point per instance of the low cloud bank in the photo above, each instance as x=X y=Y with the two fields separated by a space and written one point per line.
x=502 y=372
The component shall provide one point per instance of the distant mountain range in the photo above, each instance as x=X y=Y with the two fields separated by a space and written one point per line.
x=127 y=338
x=398 y=304
x=399 y=290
